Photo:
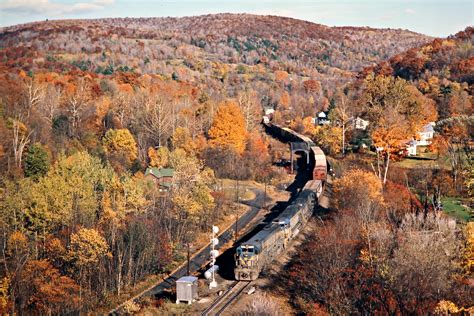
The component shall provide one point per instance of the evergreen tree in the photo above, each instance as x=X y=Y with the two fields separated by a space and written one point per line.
x=37 y=161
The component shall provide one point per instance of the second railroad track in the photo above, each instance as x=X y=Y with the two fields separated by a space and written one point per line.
x=229 y=296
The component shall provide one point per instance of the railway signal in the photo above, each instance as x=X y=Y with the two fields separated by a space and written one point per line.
x=214 y=253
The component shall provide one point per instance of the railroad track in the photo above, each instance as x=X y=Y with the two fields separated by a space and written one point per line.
x=223 y=301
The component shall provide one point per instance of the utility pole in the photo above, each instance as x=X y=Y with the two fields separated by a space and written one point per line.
x=237 y=211
x=236 y=234
x=188 y=246
x=265 y=195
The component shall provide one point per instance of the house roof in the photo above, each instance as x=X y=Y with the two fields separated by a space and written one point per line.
x=322 y=114
x=359 y=119
x=159 y=172
x=428 y=128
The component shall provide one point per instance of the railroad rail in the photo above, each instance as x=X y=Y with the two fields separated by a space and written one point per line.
x=223 y=301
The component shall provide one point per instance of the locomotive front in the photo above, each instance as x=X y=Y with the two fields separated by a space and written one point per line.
x=246 y=262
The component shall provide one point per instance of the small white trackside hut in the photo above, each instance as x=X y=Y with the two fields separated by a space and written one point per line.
x=186 y=289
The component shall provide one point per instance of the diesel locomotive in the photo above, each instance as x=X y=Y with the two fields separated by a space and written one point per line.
x=253 y=255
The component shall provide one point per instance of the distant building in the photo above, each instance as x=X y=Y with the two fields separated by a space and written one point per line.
x=411 y=147
x=163 y=177
x=322 y=118
x=269 y=111
x=360 y=123
x=426 y=135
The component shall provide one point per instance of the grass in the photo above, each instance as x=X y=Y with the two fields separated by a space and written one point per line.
x=452 y=206
x=424 y=160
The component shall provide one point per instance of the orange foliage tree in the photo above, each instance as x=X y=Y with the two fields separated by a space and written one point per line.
x=397 y=111
x=45 y=290
x=228 y=127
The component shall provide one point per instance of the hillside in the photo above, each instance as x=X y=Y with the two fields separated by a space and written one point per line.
x=442 y=69
x=143 y=44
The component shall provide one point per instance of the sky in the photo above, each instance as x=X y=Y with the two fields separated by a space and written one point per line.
x=436 y=18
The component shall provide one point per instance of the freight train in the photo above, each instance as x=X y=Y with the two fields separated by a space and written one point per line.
x=253 y=255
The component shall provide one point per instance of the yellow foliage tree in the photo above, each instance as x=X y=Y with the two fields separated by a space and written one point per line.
x=228 y=127
x=329 y=137
x=365 y=199
x=158 y=157
x=87 y=247
x=309 y=127
x=182 y=139
x=120 y=142
x=468 y=257
x=4 y=297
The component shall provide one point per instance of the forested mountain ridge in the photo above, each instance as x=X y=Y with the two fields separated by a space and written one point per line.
x=141 y=43
x=451 y=58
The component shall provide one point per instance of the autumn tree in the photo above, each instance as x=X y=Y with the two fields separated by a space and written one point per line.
x=319 y=277
x=5 y=301
x=256 y=157
x=119 y=144
x=87 y=248
x=366 y=201
x=65 y=196
x=158 y=157
x=398 y=202
x=309 y=127
x=312 y=86
x=157 y=116
x=45 y=290
x=281 y=76
x=468 y=252
x=228 y=127
x=396 y=111
x=181 y=138
x=417 y=282
x=250 y=107
x=78 y=100
x=21 y=137
x=342 y=115
x=329 y=137
x=454 y=140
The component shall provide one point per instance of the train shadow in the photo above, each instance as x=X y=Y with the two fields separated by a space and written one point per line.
x=226 y=261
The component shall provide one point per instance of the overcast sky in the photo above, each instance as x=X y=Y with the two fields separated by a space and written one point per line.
x=435 y=18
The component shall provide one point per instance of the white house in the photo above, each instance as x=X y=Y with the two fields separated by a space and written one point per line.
x=269 y=111
x=411 y=148
x=426 y=134
x=323 y=118
x=360 y=123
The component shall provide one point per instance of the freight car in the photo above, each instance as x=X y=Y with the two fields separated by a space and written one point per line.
x=318 y=162
x=320 y=167
x=252 y=256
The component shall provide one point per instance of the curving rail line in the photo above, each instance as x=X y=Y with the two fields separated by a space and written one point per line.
x=223 y=301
